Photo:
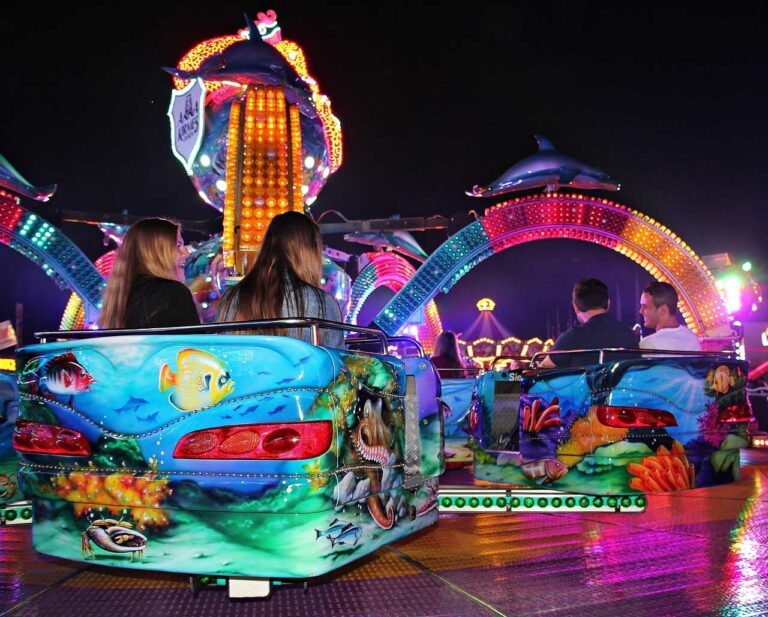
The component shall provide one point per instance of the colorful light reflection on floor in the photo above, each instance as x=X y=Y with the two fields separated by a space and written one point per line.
x=700 y=552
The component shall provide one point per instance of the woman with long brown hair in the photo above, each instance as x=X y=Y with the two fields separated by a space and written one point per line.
x=447 y=357
x=285 y=281
x=145 y=288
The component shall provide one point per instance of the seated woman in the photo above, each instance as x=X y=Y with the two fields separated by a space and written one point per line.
x=145 y=288
x=285 y=281
x=447 y=358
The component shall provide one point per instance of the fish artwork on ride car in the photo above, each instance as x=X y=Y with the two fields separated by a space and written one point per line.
x=233 y=455
x=642 y=425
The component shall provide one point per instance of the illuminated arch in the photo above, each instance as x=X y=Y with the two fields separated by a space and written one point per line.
x=392 y=271
x=49 y=248
x=73 y=317
x=577 y=217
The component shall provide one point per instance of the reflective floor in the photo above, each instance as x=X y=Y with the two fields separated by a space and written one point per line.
x=701 y=552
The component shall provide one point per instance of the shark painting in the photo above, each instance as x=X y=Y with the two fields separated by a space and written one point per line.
x=13 y=181
x=547 y=168
x=250 y=62
x=398 y=241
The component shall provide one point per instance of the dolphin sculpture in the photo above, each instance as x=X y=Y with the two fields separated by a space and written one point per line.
x=547 y=168
x=13 y=181
x=250 y=62
x=398 y=241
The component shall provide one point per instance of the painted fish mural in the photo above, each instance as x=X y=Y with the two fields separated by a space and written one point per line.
x=184 y=484
x=640 y=425
x=202 y=380
x=61 y=375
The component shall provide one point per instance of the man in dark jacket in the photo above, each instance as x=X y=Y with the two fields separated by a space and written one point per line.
x=596 y=329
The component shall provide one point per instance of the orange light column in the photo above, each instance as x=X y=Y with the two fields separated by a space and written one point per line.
x=263 y=171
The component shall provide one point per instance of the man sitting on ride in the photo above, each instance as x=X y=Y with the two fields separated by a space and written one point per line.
x=597 y=329
x=658 y=306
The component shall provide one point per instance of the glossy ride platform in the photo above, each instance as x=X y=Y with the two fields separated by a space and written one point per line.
x=698 y=552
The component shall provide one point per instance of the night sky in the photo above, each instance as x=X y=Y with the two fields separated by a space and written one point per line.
x=671 y=101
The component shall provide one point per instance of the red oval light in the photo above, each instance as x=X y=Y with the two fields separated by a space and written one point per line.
x=240 y=442
x=199 y=443
x=281 y=440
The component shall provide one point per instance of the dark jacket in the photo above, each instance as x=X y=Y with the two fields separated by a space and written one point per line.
x=160 y=303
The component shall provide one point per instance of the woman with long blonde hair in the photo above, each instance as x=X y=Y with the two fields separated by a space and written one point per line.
x=285 y=281
x=145 y=288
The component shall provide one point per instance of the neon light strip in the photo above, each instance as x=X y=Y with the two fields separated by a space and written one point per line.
x=473 y=500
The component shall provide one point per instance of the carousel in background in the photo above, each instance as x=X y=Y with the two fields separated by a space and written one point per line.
x=487 y=338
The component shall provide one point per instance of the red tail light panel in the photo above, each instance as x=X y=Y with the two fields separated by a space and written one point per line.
x=283 y=441
x=38 y=438
x=620 y=416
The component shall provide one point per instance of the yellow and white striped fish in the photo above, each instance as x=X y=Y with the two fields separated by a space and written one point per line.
x=202 y=380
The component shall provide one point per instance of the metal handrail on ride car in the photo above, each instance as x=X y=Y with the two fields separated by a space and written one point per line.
x=648 y=353
x=289 y=322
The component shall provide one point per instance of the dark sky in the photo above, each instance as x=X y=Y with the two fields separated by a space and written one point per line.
x=672 y=101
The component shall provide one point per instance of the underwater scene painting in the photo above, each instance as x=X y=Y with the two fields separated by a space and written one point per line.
x=633 y=426
x=235 y=455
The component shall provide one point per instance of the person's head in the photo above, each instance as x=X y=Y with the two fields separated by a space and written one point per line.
x=590 y=296
x=658 y=305
x=293 y=241
x=447 y=346
x=151 y=247
x=291 y=254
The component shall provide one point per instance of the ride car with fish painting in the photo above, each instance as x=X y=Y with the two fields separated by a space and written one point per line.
x=629 y=424
x=242 y=456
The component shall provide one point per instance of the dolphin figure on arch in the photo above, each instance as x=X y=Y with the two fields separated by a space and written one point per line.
x=550 y=169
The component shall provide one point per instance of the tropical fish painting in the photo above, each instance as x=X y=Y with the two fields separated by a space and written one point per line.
x=294 y=467
x=201 y=381
x=63 y=374
x=641 y=425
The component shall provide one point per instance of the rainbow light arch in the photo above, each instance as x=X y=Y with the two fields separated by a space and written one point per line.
x=591 y=219
x=51 y=250
x=392 y=271
x=73 y=317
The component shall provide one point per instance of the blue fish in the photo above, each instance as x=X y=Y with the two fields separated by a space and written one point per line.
x=251 y=409
x=132 y=404
x=148 y=418
x=547 y=168
x=303 y=360
x=251 y=62
x=13 y=181
x=350 y=535
x=227 y=417
x=263 y=373
x=335 y=528
x=277 y=409
x=287 y=380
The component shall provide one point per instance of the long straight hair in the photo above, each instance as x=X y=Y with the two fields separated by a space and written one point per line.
x=148 y=248
x=447 y=347
x=290 y=260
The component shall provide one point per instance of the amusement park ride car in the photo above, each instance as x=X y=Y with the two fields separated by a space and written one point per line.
x=251 y=458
